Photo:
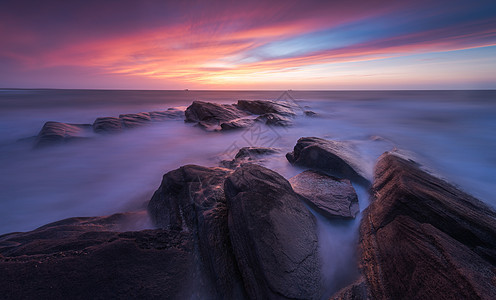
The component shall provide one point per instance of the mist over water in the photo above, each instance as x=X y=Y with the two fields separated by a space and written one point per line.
x=451 y=132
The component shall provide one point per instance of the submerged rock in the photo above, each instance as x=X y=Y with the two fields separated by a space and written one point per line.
x=58 y=133
x=260 y=107
x=135 y=120
x=336 y=158
x=274 y=236
x=329 y=196
x=85 y=258
x=249 y=155
x=237 y=124
x=107 y=125
x=275 y=119
x=192 y=198
x=422 y=238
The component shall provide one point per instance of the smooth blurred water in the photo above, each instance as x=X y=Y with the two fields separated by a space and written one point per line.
x=452 y=132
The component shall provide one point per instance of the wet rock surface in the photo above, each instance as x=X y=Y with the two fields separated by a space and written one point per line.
x=54 y=133
x=237 y=124
x=135 y=120
x=422 y=238
x=273 y=236
x=329 y=196
x=274 y=119
x=260 y=107
x=337 y=158
x=84 y=258
x=107 y=125
x=249 y=155
x=212 y=114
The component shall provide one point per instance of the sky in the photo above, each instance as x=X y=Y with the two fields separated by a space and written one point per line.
x=304 y=45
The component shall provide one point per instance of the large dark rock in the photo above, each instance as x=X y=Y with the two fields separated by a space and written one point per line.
x=260 y=107
x=107 y=125
x=84 y=258
x=329 y=196
x=135 y=120
x=192 y=198
x=422 y=238
x=334 y=157
x=212 y=114
x=249 y=155
x=274 y=236
x=54 y=133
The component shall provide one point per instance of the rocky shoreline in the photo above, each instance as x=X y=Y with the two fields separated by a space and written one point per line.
x=242 y=231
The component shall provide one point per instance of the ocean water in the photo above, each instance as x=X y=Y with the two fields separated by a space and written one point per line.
x=449 y=132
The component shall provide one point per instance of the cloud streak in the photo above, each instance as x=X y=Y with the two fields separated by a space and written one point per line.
x=227 y=45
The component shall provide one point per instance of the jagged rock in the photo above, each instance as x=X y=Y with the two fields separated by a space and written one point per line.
x=274 y=236
x=336 y=158
x=192 y=198
x=260 y=107
x=329 y=196
x=274 y=119
x=135 y=120
x=107 y=125
x=249 y=155
x=422 y=238
x=58 y=133
x=169 y=114
x=237 y=124
x=212 y=114
x=83 y=258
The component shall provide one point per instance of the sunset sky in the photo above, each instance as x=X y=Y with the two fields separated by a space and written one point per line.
x=267 y=44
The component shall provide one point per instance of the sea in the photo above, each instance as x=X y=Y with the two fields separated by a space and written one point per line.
x=451 y=133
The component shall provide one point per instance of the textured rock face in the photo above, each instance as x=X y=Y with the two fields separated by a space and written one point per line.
x=82 y=258
x=329 y=196
x=192 y=198
x=237 y=124
x=135 y=120
x=273 y=235
x=274 y=119
x=259 y=107
x=249 y=155
x=337 y=158
x=171 y=113
x=58 y=133
x=421 y=238
x=212 y=114
x=107 y=125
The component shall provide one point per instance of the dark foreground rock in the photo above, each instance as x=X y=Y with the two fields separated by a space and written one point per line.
x=237 y=124
x=249 y=155
x=84 y=258
x=422 y=238
x=274 y=119
x=334 y=157
x=192 y=198
x=273 y=236
x=329 y=196
x=54 y=133
x=212 y=115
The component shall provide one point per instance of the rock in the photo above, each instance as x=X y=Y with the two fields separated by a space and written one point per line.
x=336 y=158
x=260 y=107
x=135 y=120
x=422 y=238
x=237 y=124
x=249 y=155
x=82 y=258
x=192 y=199
x=274 y=119
x=58 y=133
x=329 y=196
x=355 y=291
x=310 y=113
x=212 y=114
x=274 y=236
x=169 y=114
x=107 y=125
